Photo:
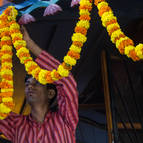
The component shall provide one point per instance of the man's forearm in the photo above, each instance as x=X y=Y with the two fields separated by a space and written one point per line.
x=33 y=47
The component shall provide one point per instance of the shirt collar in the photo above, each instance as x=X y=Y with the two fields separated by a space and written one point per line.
x=35 y=123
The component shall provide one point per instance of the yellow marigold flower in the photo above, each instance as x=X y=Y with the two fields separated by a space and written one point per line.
x=83 y=23
x=75 y=48
x=107 y=16
x=69 y=60
x=85 y=2
x=4 y=109
x=14 y=26
x=1 y=117
x=138 y=50
x=6 y=56
x=8 y=81
x=6 y=47
x=10 y=18
x=29 y=64
x=79 y=37
x=6 y=64
x=6 y=71
x=22 y=50
x=63 y=72
x=4 y=29
x=34 y=72
x=115 y=34
x=16 y=35
x=52 y=75
x=41 y=77
x=5 y=38
x=109 y=27
x=24 y=59
x=128 y=49
x=7 y=90
x=7 y=99
x=14 y=12
x=20 y=43
x=84 y=12
x=103 y=3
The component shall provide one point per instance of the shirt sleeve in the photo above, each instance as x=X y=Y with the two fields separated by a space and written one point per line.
x=67 y=91
x=7 y=126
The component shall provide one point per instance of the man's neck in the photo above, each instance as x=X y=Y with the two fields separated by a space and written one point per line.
x=38 y=113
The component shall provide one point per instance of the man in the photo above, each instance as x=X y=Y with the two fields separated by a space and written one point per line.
x=44 y=125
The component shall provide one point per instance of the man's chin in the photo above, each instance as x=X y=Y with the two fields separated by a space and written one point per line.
x=31 y=99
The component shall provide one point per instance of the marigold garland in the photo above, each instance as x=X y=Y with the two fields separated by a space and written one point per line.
x=10 y=34
x=6 y=85
x=123 y=43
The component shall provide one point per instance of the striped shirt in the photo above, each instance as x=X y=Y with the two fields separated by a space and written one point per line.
x=58 y=127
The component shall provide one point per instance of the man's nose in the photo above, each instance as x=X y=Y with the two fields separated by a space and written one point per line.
x=30 y=86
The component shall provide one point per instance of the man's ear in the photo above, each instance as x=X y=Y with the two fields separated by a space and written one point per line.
x=51 y=93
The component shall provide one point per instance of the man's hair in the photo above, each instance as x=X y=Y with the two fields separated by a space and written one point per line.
x=53 y=104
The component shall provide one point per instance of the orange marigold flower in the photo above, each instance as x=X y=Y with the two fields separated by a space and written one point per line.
x=74 y=55
x=104 y=9
x=18 y=47
x=84 y=17
x=36 y=74
x=134 y=56
x=111 y=22
x=81 y=30
x=7 y=77
x=57 y=75
x=16 y=38
x=11 y=22
x=97 y=1
x=9 y=43
x=48 y=77
x=27 y=60
x=125 y=43
x=7 y=11
x=6 y=52
x=5 y=33
x=68 y=67
x=78 y=44
x=112 y=30
x=3 y=114
x=14 y=31
x=5 y=85
x=9 y=60
x=6 y=67
x=9 y=104
x=120 y=36
x=85 y=7
x=6 y=94
x=32 y=68
x=4 y=18
x=21 y=55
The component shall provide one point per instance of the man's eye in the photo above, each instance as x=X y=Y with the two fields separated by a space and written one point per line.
x=26 y=84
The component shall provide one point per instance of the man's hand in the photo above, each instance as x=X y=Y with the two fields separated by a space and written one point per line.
x=31 y=45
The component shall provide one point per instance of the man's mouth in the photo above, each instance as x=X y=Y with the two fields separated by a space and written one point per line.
x=30 y=93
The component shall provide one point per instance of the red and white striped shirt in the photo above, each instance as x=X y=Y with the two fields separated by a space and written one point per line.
x=58 y=127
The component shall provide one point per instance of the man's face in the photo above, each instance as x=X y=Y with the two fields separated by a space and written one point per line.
x=35 y=92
